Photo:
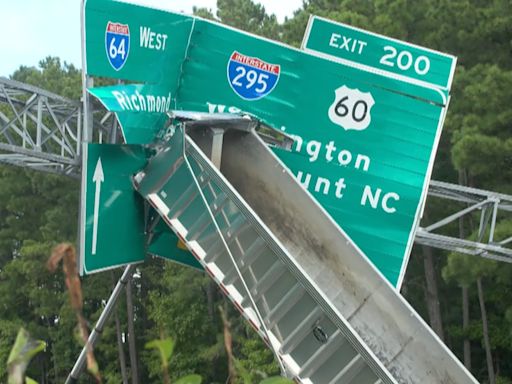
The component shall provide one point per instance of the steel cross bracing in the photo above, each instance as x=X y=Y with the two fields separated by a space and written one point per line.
x=41 y=130
x=487 y=205
x=38 y=129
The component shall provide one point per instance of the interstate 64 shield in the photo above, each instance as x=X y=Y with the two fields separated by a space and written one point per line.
x=117 y=44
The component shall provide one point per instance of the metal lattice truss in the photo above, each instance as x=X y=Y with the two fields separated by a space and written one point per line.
x=38 y=129
x=486 y=205
x=43 y=131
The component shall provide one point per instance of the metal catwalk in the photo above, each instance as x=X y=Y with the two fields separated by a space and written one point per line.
x=326 y=312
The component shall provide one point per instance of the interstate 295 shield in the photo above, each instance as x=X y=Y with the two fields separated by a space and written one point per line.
x=250 y=77
x=117 y=44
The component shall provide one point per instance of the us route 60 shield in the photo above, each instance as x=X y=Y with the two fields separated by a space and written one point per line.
x=351 y=108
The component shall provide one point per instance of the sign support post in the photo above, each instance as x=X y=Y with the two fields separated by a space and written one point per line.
x=100 y=324
x=86 y=136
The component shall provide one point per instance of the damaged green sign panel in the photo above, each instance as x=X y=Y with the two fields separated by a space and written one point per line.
x=364 y=143
x=149 y=102
x=113 y=216
x=112 y=213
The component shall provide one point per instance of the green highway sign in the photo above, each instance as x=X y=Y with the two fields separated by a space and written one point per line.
x=374 y=52
x=112 y=213
x=134 y=98
x=151 y=102
x=364 y=143
x=125 y=41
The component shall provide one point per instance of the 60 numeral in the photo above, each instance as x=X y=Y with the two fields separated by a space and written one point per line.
x=359 y=109
x=404 y=60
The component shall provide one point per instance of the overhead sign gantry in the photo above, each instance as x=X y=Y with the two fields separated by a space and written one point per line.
x=365 y=142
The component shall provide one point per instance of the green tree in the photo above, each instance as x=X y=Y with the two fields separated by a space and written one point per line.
x=63 y=79
x=37 y=211
x=248 y=16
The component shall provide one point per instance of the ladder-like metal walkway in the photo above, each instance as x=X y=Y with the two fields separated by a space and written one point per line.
x=326 y=312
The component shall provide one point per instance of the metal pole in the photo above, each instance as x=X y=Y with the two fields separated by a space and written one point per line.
x=131 y=334
x=39 y=128
x=87 y=82
x=122 y=358
x=98 y=329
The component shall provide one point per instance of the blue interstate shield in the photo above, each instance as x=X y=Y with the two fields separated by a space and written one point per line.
x=117 y=44
x=252 y=78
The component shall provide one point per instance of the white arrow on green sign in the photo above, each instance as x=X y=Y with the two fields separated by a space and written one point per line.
x=98 y=178
x=112 y=213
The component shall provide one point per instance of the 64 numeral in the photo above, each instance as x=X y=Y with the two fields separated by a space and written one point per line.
x=114 y=50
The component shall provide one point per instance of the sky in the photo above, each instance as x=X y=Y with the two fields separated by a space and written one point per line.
x=33 y=29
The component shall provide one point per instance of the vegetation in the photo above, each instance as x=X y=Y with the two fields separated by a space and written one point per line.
x=466 y=299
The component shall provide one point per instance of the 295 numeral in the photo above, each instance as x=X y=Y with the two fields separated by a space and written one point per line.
x=251 y=78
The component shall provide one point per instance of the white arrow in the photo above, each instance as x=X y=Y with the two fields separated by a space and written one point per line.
x=98 y=178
